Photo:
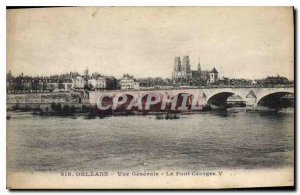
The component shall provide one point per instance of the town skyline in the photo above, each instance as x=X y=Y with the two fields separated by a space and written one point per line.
x=81 y=72
x=143 y=42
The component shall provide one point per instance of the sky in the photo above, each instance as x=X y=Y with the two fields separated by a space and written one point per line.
x=240 y=42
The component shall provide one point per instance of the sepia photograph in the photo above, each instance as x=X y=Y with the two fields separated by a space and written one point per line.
x=150 y=97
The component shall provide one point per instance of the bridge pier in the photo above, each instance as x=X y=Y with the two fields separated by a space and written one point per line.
x=251 y=105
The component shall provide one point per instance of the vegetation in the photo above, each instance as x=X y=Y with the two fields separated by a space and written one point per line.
x=25 y=108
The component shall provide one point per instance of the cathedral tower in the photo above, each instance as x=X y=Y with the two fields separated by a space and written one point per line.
x=177 y=64
x=186 y=64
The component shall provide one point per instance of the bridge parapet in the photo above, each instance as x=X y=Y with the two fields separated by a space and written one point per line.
x=250 y=95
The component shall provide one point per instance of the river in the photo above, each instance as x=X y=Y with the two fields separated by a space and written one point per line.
x=243 y=140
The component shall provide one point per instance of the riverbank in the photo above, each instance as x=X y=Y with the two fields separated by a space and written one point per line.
x=17 y=114
x=90 y=111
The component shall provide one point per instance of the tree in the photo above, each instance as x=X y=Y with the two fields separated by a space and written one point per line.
x=61 y=85
x=66 y=110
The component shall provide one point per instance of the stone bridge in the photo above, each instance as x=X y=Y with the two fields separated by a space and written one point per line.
x=252 y=96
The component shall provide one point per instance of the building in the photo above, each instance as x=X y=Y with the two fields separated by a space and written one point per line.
x=92 y=83
x=97 y=83
x=182 y=70
x=213 y=75
x=78 y=82
x=128 y=82
x=275 y=80
x=136 y=85
x=59 y=83
x=68 y=85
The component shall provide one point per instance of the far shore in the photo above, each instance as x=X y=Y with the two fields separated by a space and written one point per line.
x=90 y=114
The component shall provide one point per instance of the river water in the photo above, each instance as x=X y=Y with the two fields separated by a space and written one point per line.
x=201 y=141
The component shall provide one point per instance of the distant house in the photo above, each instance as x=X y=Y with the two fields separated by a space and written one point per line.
x=254 y=82
x=101 y=83
x=136 y=85
x=78 y=82
x=128 y=82
x=97 y=83
x=65 y=84
x=213 y=75
x=52 y=87
x=275 y=80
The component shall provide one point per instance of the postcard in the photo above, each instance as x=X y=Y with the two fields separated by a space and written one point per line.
x=150 y=97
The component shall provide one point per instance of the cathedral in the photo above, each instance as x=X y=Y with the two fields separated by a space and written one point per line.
x=182 y=70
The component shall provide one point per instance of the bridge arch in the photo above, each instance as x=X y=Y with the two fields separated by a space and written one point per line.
x=180 y=99
x=276 y=100
x=220 y=99
x=129 y=97
x=107 y=100
x=123 y=106
x=154 y=107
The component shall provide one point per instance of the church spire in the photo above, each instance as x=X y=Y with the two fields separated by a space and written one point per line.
x=199 y=66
